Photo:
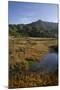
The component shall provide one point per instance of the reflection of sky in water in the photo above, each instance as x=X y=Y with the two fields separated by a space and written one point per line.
x=48 y=63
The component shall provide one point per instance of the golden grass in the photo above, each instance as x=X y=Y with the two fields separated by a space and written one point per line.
x=21 y=49
x=30 y=48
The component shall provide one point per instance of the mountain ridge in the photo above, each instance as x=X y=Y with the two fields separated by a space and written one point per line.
x=35 y=29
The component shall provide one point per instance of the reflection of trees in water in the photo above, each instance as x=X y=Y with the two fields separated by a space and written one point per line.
x=53 y=49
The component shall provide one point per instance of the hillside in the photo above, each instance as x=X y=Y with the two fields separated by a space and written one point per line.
x=35 y=29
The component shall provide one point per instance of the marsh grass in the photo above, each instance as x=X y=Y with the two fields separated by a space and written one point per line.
x=23 y=53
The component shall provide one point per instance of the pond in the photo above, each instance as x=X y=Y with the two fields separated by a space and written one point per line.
x=48 y=63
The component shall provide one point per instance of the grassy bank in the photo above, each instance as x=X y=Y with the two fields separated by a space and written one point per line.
x=22 y=50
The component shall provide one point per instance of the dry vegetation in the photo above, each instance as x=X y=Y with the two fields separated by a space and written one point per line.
x=23 y=50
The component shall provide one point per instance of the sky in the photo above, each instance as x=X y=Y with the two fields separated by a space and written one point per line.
x=25 y=12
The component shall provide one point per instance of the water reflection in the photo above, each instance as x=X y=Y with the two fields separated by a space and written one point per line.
x=49 y=62
x=53 y=48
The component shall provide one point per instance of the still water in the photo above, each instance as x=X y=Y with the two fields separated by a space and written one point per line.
x=48 y=63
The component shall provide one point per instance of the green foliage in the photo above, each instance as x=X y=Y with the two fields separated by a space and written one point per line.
x=35 y=29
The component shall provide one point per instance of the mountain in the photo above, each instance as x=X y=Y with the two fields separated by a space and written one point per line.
x=35 y=29
x=44 y=25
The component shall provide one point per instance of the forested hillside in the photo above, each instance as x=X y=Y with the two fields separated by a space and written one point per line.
x=35 y=29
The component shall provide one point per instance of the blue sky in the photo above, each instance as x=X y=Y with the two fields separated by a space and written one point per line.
x=24 y=12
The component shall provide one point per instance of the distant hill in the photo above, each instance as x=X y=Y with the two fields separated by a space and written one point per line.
x=35 y=29
x=44 y=25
